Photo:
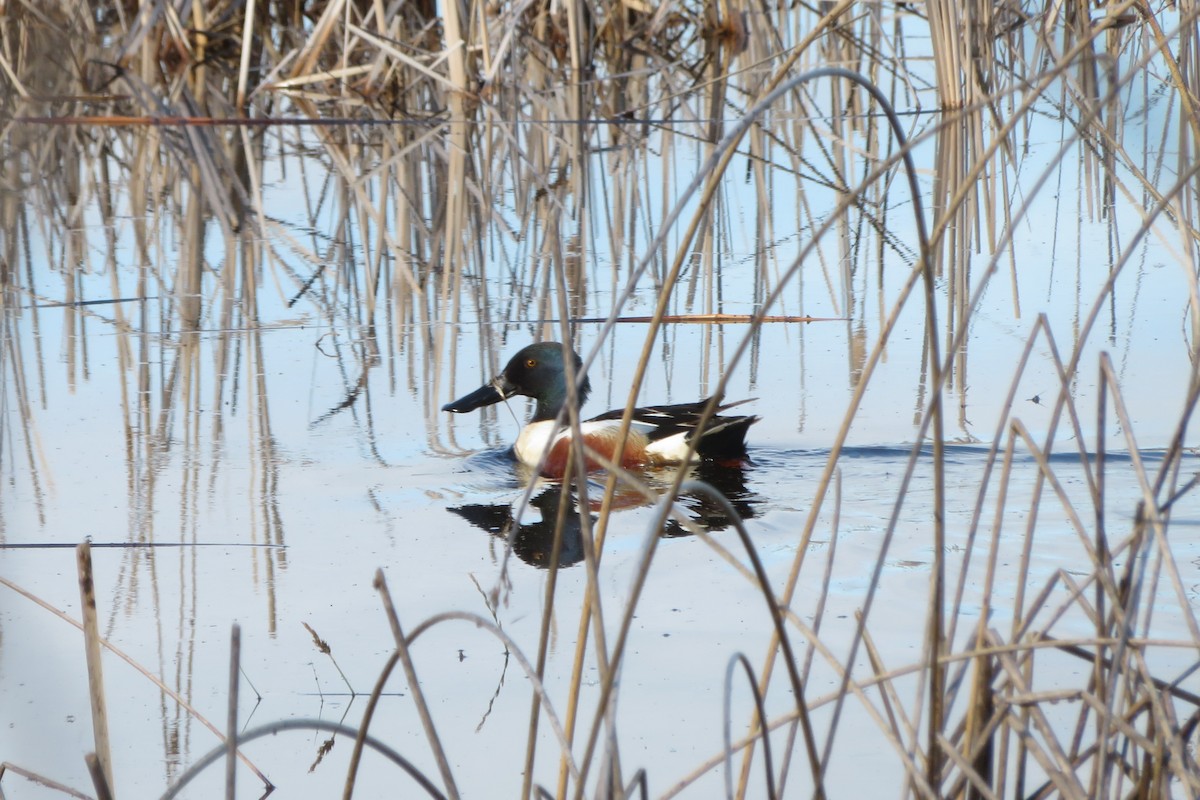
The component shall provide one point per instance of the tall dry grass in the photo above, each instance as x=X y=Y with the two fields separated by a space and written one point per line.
x=474 y=165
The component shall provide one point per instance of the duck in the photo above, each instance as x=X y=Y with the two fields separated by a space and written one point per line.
x=658 y=435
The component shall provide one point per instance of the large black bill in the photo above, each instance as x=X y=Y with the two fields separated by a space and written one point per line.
x=483 y=396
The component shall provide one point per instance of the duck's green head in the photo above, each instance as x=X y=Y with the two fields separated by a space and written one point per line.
x=537 y=371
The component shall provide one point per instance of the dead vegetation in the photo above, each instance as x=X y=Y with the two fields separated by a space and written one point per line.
x=488 y=162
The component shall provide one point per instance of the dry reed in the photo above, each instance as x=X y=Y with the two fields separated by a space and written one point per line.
x=475 y=164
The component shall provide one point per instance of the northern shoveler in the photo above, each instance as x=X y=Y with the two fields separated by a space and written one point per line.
x=657 y=434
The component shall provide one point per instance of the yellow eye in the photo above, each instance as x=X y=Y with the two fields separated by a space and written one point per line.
x=531 y=363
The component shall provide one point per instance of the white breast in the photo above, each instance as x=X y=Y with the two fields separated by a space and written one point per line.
x=533 y=440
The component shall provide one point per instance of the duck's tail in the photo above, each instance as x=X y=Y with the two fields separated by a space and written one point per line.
x=725 y=437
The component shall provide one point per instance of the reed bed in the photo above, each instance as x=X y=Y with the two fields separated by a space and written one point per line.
x=496 y=172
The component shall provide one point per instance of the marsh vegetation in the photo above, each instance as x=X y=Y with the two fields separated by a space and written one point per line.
x=249 y=250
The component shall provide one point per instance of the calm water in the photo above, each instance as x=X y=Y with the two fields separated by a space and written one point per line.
x=260 y=468
x=281 y=515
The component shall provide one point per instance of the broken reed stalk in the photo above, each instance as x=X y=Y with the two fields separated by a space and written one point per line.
x=96 y=771
x=780 y=627
x=977 y=740
x=546 y=627
x=514 y=649
x=7 y=767
x=231 y=728
x=143 y=671
x=414 y=686
x=592 y=611
x=364 y=725
x=275 y=728
x=101 y=769
x=248 y=34
x=740 y=660
x=900 y=727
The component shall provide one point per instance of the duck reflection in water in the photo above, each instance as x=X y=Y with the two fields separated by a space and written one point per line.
x=532 y=540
